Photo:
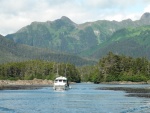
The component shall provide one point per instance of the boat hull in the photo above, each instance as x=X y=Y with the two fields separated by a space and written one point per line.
x=60 y=87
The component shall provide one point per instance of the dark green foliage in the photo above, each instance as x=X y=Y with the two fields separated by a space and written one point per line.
x=61 y=35
x=131 y=41
x=118 y=68
x=29 y=70
x=12 y=52
x=110 y=68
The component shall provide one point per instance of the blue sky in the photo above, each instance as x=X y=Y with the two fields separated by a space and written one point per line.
x=15 y=14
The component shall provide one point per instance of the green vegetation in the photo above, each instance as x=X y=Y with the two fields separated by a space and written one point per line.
x=130 y=41
x=110 y=68
x=12 y=52
x=29 y=70
x=117 y=68
x=61 y=35
x=87 y=39
x=54 y=41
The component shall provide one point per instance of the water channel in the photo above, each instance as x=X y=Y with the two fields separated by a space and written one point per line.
x=82 y=98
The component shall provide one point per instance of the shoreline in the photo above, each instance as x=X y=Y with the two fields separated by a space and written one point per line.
x=24 y=84
x=23 y=87
x=125 y=82
x=39 y=83
x=131 y=92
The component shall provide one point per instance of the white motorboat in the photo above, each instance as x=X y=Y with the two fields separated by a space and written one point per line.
x=61 y=83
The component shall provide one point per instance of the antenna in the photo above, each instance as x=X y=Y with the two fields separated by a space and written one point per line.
x=57 y=74
x=66 y=70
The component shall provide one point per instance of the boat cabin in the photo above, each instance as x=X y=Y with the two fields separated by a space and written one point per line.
x=61 y=83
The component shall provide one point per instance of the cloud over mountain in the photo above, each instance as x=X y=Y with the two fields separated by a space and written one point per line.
x=15 y=14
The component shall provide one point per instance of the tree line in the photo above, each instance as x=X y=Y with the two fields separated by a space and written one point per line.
x=39 y=69
x=117 y=68
x=112 y=67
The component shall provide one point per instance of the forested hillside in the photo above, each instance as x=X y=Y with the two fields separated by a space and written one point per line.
x=63 y=35
x=62 y=40
x=130 y=41
x=13 y=52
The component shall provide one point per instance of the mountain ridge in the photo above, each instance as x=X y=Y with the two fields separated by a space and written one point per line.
x=63 y=35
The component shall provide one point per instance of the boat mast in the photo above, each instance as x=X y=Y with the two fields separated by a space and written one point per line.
x=65 y=70
x=57 y=74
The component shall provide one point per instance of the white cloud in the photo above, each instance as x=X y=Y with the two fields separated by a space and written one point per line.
x=147 y=9
x=10 y=24
x=107 y=4
x=15 y=14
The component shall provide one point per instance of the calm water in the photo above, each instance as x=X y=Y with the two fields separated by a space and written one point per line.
x=82 y=98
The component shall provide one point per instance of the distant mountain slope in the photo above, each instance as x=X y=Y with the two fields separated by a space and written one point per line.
x=63 y=35
x=8 y=50
x=128 y=41
x=11 y=52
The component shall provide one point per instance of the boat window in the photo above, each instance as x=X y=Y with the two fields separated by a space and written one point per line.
x=56 y=81
x=60 y=80
x=64 y=81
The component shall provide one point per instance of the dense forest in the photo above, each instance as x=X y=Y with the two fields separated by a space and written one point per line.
x=29 y=70
x=112 y=67
x=117 y=68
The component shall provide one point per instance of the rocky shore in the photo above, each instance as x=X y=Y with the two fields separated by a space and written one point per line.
x=24 y=84
x=125 y=82
x=131 y=92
